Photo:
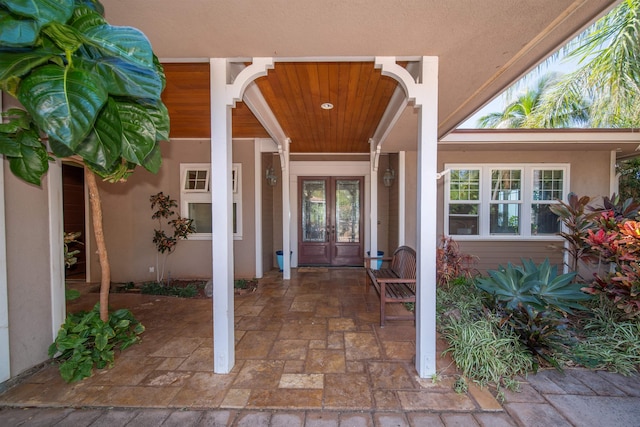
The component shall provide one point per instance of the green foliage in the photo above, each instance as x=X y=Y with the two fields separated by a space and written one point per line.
x=461 y=300
x=608 y=341
x=93 y=89
x=240 y=283
x=629 y=181
x=84 y=341
x=484 y=352
x=524 y=110
x=156 y=288
x=70 y=239
x=71 y=294
x=544 y=333
x=577 y=220
x=460 y=385
x=539 y=287
x=531 y=301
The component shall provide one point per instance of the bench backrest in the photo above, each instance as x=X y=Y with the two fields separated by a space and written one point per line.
x=404 y=262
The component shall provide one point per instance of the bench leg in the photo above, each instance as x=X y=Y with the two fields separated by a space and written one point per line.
x=383 y=302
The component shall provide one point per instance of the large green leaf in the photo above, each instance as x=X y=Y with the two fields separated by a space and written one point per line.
x=154 y=160
x=9 y=145
x=44 y=11
x=160 y=116
x=92 y=4
x=138 y=132
x=29 y=138
x=21 y=63
x=64 y=103
x=122 y=78
x=126 y=43
x=59 y=149
x=17 y=32
x=31 y=165
x=84 y=18
x=64 y=36
x=103 y=145
x=18 y=120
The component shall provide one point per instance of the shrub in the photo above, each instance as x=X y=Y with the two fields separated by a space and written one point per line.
x=452 y=264
x=84 y=341
x=608 y=236
x=619 y=245
x=531 y=301
x=182 y=227
x=484 y=352
x=531 y=285
x=608 y=342
x=155 y=288
x=577 y=220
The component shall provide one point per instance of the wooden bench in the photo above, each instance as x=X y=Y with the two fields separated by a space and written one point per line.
x=395 y=284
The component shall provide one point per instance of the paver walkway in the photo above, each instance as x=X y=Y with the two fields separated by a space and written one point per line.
x=309 y=352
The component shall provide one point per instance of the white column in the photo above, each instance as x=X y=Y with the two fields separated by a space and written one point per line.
x=426 y=214
x=222 y=202
x=402 y=191
x=257 y=188
x=5 y=362
x=286 y=211
x=614 y=179
x=56 y=247
x=373 y=212
x=424 y=92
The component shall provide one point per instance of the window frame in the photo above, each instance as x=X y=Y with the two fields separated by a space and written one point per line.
x=188 y=196
x=485 y=201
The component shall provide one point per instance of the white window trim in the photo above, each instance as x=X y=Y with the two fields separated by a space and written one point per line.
x=204 y=196
x=485 y=196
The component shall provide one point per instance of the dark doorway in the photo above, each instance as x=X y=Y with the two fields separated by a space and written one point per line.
x=74 y=218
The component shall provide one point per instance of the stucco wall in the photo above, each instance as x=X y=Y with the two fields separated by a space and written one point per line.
x=384 y=213
x=244 y=252
x=129 y=228
x=28 y=273
x=268 y=260
x=393 y=212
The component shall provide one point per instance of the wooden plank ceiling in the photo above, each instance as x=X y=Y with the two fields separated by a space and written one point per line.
x=294 y=92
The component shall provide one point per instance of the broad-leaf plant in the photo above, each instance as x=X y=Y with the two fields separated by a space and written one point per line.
x=90 y=93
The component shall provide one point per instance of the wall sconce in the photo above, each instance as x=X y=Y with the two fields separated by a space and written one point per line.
x=388 y=177
x=272 y=179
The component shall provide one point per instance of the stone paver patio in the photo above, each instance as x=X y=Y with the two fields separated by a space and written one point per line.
x=308 y=352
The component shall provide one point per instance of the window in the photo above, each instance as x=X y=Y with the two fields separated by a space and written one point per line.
x=196 y=198
x=503 y=200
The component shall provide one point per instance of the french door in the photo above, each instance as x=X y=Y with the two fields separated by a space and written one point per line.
x=330 y=231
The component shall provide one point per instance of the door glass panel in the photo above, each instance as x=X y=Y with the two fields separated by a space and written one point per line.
x=348 y=211
x=314 y=211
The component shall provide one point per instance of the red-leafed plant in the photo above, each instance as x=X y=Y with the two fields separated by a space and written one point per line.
x=619 y=246
x=451 y=263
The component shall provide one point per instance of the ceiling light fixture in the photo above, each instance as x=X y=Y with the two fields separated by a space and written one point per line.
x=326 y=106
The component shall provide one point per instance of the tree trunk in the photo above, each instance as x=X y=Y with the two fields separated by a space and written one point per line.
x=96 y=213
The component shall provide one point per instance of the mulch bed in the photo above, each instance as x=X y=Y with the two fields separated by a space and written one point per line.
x=173 y=288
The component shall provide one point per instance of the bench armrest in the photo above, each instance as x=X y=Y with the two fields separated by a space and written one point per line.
x=394 y=280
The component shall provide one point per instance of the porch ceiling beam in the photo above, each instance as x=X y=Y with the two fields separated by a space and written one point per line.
x=259 y=107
